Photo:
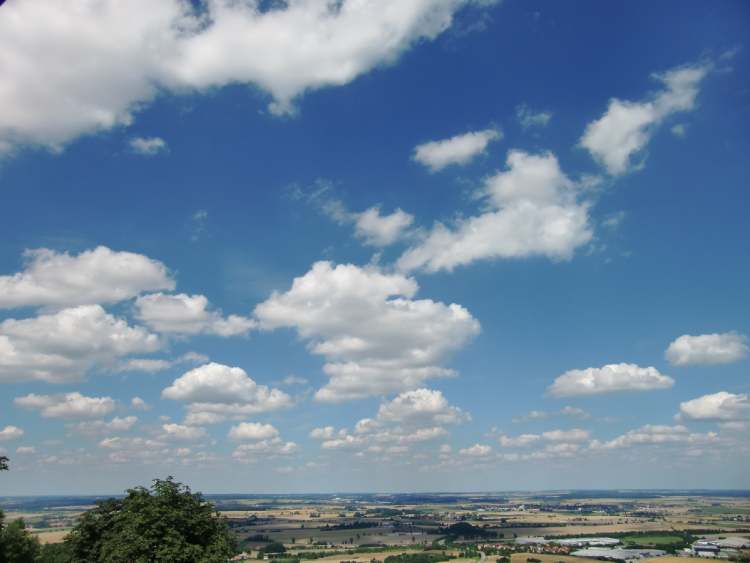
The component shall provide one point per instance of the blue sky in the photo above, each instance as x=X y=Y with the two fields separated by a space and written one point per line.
x=454 y=245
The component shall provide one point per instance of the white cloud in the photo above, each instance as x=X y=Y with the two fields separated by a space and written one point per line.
x=249 y=453
x=291 y=380
x=201 y=418
x=63 y=346
x=128 y=53
x=324 y=433
x=717 y=406
x=567 y=436
x=26 y=450
x=183 y=432
x=10 y=433
x=518 y=441
x=530 y=118
x=381 y=230
x=535 y=211
x=410 y=418
x=626 y=127
x=117 y=424
x=609 y=379
x=139 y=404
x=572 y=435
x=574 y=412
x=421 y=406
x=460 y=149
x=679 y=130
x=148 y=146
x=252 y=431
x=370 y=226
x=375 y=337
x=224 y=390
x=655 y=435
x=154 y=365
x=477 y=450
x=67 y=405
x=721 y=348
x=100 y=275
x=188 y=314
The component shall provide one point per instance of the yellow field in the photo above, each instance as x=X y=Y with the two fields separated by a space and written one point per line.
x=549 y=558
x=56 y=536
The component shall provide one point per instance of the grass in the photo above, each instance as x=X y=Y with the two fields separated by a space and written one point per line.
x=656 y=539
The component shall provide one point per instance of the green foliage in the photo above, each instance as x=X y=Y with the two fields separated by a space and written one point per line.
x=4 y=463
x=417 y=558
x=466 y=530
x=273 y=547
x=16 y=544
x=55 y=553
x=166 y=523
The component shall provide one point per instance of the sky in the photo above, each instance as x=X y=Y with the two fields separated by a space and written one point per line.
x=405 y=245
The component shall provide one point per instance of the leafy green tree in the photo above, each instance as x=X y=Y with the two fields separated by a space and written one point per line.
x=273 y=547
x=54 y=553
x=17 y=545
x=4 y=463
x=166 y=523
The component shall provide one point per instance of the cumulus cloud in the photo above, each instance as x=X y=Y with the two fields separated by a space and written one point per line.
x=224 y=390
x=139 y=404
x=381 y=230
x=410 y=418
x=10 y=433
x=534 y=210
x=375 y=337
x=183 y=432
x=714 y=348
x=154 y=365
x=558 y=435
x=117 y=424
x=263 y=449
x=518 y=441
x=252 y=431
x=26 y=450
x=127 y=53
x=721 y=406
x=260 y=440
x=188 y=314
x=655 y=435
x=626 y=127
x=477 y=450
x=148 y=146
x=421 y=405
x=291 y=380
x=63 y=346
x=460 y=149
x=572 y=435
x=324 y=433
x=101 y=275
x=67 y=405
x=609 y=379
x=529 y=118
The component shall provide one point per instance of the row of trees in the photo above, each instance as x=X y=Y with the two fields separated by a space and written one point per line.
x=166 y=523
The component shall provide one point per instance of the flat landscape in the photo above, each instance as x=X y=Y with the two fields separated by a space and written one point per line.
x=417 y=528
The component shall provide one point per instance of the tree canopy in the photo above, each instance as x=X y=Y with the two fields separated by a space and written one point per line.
x=166 y=523
x=4 y=463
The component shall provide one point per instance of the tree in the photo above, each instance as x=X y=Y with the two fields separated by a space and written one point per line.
x=16 y=544
x=166 y=523
x=3 y=463
x=273 y=547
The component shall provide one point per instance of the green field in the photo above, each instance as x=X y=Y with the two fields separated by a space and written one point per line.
x=722 y=510
x=656 y=539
